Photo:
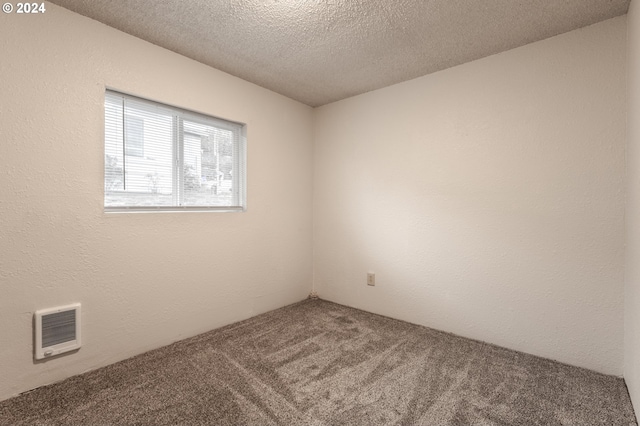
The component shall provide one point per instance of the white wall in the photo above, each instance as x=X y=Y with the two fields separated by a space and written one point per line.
x=488 y=199
x=144 y=280
x=632 y=261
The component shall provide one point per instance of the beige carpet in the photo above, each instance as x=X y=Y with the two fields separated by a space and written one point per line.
x=318 y=363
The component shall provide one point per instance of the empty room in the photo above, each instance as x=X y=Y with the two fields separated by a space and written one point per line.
x=281 y=212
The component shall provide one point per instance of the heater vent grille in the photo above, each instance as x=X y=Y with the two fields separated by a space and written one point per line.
x=57 y=330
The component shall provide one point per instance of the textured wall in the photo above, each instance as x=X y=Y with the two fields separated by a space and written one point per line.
x=488 y=198
x=144 y=280
x=632 y=261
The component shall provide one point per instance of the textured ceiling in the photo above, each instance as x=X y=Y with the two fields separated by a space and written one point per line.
x=320 y=51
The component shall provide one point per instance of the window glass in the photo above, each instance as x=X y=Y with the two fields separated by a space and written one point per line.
x=163 y=158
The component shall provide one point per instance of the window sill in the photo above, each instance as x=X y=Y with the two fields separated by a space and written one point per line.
x=173 y=209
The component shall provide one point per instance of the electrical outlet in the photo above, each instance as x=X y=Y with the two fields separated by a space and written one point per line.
x=371 y=278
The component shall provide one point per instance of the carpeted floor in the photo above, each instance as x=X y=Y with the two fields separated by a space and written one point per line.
x=318 y=363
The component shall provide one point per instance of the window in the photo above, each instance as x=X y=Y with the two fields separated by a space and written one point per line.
x=159 y=157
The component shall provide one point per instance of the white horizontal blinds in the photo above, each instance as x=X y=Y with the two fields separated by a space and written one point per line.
x=113 y=147
x=148 y=141
x=157 y=156
x=139 y=136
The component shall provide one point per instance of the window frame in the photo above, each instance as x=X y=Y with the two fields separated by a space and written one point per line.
x=179 y=116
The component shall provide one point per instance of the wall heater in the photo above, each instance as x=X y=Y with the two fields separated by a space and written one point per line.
x=57 y=330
